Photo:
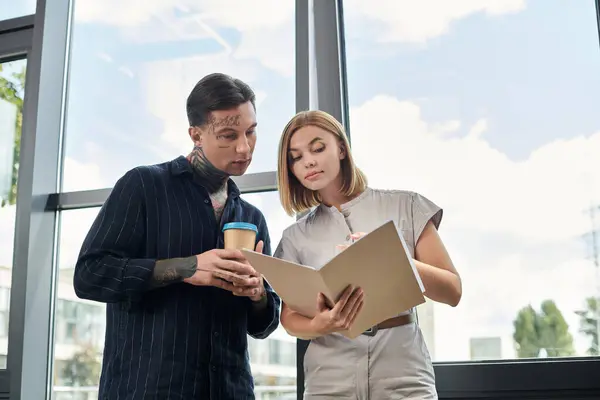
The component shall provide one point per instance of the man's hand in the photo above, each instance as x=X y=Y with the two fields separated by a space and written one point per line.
x=256 y=291
x=224 y=269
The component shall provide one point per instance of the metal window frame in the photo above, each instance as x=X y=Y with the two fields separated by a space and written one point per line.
x=17 y=37
x=516 y=379
x=33 y=275
x=251 y=183
x=45 y=39
x=320 y=83
x=318 y=30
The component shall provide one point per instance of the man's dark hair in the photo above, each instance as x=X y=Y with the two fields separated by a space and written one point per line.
x=216 y=92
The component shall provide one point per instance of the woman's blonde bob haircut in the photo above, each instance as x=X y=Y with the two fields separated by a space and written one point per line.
x=294 y=197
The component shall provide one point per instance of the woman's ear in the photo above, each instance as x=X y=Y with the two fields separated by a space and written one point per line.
x=342 y=151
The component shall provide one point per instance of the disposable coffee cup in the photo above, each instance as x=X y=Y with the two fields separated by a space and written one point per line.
x=240 y=235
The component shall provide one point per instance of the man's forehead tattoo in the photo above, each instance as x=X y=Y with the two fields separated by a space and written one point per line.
x=230 y=120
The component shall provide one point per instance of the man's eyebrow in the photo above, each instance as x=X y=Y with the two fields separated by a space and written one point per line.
x=233 y=128
x=224 y=129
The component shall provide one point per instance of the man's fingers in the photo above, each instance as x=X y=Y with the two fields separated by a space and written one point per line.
x=259 y=247
x=237 y=280
x=247 y=281
x=230 y=254
x=245 y=292
x=220 y=283
x=236 y=267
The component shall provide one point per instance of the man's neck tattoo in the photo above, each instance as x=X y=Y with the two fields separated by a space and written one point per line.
x=211 y=177
x=218 y=200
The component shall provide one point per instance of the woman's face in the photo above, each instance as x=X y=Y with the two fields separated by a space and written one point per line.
x=314 y=157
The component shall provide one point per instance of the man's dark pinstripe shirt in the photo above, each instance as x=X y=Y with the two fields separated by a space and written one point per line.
x=179 y=341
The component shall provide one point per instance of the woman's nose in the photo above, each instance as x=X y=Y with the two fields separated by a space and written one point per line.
x=309 y=162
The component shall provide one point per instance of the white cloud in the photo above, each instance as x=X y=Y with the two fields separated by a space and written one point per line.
x=541 y=199
x=121 y=13
x=418 y=21
x=274 y=47
x=267 y=26
x=513 y=228
x=168 y=83
x=75 y=225
x=241 y=15
x=82 y=176
x=248 y=15
x=105 y=57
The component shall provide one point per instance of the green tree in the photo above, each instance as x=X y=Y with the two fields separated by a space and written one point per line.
x=526 y=333
x=11 y=90
x=588 y=324
x=83 y=369
x=546 y=329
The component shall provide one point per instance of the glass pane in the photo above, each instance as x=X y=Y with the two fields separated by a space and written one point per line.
x=12 y=84
x=80 y=324
x=491 y=112
x=131 y=74
x=273 y=360
x=16 y=8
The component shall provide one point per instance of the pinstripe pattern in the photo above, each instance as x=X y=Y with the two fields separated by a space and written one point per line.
x=179 y=341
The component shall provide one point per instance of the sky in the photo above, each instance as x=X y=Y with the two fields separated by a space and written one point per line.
x=483 y=106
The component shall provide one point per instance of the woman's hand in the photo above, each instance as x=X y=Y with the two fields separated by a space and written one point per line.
x=341 y=316
x=354 y=237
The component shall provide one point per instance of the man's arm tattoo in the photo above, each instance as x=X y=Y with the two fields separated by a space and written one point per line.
x=173 y=270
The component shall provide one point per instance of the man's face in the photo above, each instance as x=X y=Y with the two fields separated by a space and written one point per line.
x=228 y=138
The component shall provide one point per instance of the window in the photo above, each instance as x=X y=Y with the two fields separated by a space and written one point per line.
x=4 y=308
x=14 y=9
x=132 y=71
x=12 y=83
x=271 y=363
x=486 y=108
x=80 y=324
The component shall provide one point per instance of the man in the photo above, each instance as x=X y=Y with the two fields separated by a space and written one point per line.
x=179 y=306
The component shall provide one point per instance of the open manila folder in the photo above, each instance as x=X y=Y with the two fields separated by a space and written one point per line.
x=379 y=263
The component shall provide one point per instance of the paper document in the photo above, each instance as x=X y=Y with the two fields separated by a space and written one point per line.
x=379 y=263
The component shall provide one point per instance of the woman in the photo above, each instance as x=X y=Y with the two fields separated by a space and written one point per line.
x=391 y=361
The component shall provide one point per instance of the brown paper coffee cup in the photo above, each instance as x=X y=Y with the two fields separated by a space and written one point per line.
x=240 y=235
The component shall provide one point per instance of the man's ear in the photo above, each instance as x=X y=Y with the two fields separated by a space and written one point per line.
x=195 y=135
